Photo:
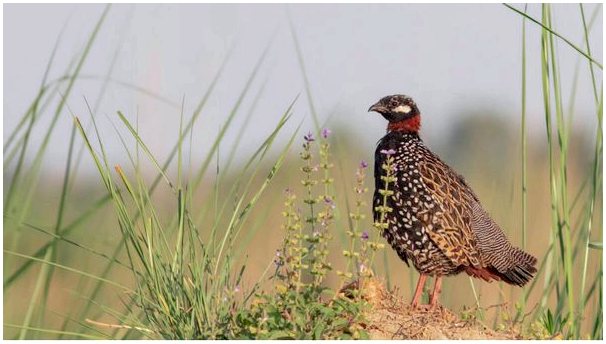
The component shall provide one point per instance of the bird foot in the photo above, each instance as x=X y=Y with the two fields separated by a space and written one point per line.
x=428 y=308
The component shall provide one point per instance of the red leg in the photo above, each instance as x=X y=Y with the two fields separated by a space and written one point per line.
x=418 y=290
x=435 y=295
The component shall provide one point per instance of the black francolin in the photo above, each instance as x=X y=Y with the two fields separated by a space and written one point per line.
x=436 y=221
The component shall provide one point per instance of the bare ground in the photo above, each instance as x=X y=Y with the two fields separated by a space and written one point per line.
x=391 y=317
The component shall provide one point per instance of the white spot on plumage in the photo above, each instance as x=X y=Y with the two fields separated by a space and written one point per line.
x=402 y=109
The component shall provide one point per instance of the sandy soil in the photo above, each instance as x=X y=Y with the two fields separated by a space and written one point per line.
x=391 y=317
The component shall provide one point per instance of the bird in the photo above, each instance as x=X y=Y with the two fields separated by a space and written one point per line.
x=436 y=221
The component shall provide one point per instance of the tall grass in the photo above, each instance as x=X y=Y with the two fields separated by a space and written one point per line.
x=560 y=273
x=181 y=286
x=186 y=267
x=46 y=254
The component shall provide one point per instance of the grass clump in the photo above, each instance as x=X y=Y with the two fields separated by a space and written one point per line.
x=187 y=281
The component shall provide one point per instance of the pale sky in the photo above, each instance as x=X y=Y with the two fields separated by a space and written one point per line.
x=450 y=58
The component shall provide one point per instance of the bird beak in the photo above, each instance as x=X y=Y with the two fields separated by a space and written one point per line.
x=377 y=108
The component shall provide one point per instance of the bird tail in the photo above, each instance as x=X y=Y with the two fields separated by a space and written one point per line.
x=519 y=271
x=502 y=261
x=522 y=270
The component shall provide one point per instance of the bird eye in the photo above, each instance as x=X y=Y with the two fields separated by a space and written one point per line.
x=393 y=103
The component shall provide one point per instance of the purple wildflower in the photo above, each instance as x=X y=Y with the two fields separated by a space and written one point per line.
x=364 y=235
x=326 y=132
x=309 y=137
x=329 y=202
x=388 y=152
x=363 y=164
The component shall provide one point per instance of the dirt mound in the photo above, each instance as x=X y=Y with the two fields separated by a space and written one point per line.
x=391 y=317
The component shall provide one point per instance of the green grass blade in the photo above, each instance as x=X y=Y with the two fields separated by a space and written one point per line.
x=32 y=179
x=238 y=215
x=524 y=138
x=587 y=56
x=564 y=229
x=310 y=101
x=64 y=232
x=59 y=238
x=43 y=87
x=233 y=112
x=146 y=150
x=70 y=269
x=524 y=149
x=35 y=295
x=75 y=334
x=59 y=222
x=246 y=125
x=588 y=46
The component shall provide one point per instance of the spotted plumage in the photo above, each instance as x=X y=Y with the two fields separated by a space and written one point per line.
x=437 y=221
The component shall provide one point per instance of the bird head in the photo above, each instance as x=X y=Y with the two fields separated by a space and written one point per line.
x=401 y=112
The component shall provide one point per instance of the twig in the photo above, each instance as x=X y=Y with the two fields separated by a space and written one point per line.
x=118 y=326
x=529 y=313
x=496 y=305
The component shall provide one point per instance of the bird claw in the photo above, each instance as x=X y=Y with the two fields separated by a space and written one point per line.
x=428 y=308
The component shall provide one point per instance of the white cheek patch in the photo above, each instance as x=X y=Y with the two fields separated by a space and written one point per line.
x=402 y=109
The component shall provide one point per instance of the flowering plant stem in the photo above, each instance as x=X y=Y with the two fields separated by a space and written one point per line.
x=383 y=209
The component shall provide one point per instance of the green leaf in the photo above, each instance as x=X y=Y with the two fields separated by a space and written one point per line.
x=280 y=335
x=319 y=330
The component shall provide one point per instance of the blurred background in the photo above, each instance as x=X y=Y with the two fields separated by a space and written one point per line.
x=461 y=63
